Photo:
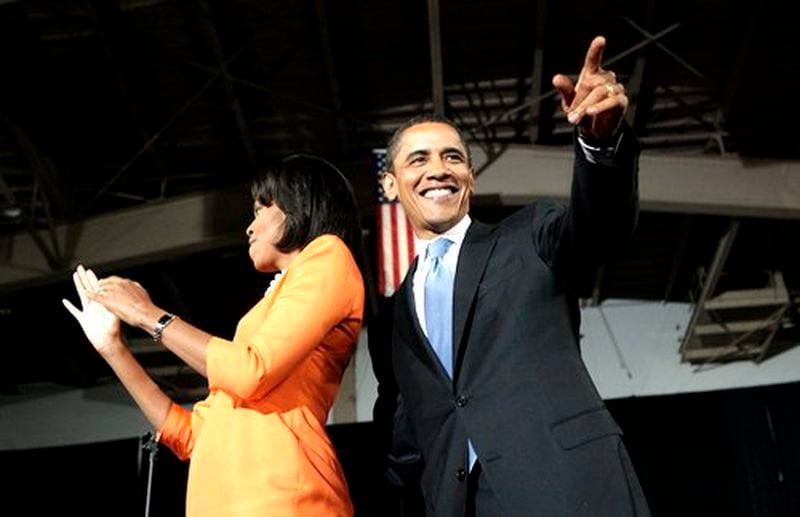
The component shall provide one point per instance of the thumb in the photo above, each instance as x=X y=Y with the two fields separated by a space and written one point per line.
x=566 y=88
x=72 y=309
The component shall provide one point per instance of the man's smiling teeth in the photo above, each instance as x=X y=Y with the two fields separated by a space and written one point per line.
x=437 y=193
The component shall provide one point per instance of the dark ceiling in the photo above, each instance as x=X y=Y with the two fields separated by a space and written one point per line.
x=116 y=103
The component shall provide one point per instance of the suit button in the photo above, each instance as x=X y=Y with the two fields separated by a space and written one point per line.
x=461 y=474
x=461 y=401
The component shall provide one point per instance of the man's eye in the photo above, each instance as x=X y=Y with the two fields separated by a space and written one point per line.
x=454 y=158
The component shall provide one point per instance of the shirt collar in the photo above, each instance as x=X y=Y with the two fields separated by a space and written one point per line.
x=455 y=234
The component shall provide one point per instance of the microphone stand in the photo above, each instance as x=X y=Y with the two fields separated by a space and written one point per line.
x=150 y=445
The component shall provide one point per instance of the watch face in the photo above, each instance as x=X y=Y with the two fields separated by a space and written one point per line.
x=162 y=322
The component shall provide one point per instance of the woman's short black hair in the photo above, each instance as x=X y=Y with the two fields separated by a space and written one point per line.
x=316 y=198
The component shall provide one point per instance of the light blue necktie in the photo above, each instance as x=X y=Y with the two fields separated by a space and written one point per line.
x=439 y=304
x=439 y=312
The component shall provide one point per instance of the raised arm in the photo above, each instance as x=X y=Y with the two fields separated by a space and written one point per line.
x=102 y=329
x=603 y=207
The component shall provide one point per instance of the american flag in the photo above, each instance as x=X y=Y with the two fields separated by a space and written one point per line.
x=395 y=236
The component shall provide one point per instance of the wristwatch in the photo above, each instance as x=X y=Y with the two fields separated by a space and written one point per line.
x=161 y=324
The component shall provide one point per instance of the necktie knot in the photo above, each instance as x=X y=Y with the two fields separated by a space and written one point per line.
x=439 y=247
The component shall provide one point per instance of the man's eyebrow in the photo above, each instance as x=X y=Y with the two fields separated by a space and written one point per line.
x=457 y=150
x=418 y=152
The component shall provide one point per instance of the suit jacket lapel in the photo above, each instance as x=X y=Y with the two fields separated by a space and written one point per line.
x=473 y=257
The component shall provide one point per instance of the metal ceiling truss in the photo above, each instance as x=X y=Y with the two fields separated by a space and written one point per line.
x=44 y=191
x=736 y=325
x=233 y=100
x=659 y=111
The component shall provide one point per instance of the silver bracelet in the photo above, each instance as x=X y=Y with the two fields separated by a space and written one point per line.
x=162 y=323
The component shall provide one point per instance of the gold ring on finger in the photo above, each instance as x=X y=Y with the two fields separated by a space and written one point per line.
x=609 y=90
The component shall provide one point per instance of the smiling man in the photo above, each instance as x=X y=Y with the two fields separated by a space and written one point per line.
x=431 y=174
x=495 y=405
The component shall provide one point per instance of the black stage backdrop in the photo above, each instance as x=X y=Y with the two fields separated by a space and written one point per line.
x=725 y=453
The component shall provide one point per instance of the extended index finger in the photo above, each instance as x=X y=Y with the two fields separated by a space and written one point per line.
x=594 y=56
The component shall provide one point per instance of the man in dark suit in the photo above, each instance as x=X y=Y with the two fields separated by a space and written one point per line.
x=495 y=404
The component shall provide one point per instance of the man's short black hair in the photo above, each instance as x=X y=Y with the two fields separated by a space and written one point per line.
x=316 y=198
x=394 y=141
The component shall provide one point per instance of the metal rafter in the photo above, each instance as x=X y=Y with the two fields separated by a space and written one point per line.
x=45 y=191
x=636 y=111
x=217 y=73
x=731 y=86
x=294 y=99
x=110 y=26
x=330 y=69
x=154 y=138
x=478 y=108
x=638 y=100
x=493 y=151
x=6 y=191
x=553 y=92
x=230 y=93
x=293 y=42
x=437 y=75
x=536 y=126
x=710 y=280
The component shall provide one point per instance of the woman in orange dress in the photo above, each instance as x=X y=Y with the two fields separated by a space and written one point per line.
x=257 y=444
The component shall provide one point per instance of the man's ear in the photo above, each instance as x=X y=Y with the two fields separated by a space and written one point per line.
x=389 y=183
x=471 y=181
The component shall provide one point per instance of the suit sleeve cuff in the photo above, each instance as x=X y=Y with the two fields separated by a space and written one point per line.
x=601 y=152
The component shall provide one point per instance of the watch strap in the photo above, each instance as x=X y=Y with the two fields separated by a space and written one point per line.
x=161 y=324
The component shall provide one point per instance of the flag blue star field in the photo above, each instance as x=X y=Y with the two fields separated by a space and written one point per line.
x=395 y=237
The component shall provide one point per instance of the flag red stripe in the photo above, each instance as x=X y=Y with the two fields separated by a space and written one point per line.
x=410 y=238
x=395 y=255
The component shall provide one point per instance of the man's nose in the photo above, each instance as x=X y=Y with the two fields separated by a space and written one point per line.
x=439 y=167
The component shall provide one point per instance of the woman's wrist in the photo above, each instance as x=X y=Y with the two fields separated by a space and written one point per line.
x=165 y=320
x=150 y=318
x=115 y=347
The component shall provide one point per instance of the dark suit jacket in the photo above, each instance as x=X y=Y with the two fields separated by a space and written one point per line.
x=520 y=392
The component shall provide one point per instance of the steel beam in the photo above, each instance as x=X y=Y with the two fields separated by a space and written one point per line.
x=437 y=75
x=144 y=234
